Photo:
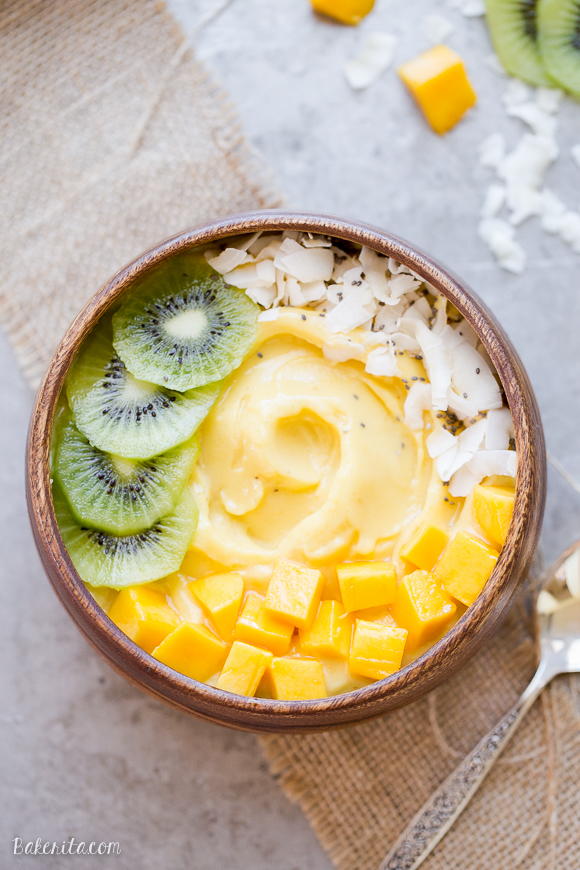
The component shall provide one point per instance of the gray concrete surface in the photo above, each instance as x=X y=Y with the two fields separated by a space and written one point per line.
x=85 y=754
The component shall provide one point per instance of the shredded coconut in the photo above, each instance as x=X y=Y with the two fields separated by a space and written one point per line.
x=375 y=56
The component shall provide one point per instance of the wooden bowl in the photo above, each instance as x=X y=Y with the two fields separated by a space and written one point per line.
x=408 y=684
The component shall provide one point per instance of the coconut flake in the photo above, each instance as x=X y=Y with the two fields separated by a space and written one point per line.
x=499 y=236
x=418 y=400
x=472 y=378
x=575 y=152
x=499 y=429
x=228 y=260
x=494 y=200
x=572 y=573
x=374 y=57
x=437 y=363
x=347 y=315
x=440 y=441
x=485 y=463
x=304 y=264
x=382 y=361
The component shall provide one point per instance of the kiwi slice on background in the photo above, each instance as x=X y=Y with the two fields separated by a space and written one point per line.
x=513 y=27
x=123 y=415
x=183 y=327
x=102 y=559
x=115 y=494
x=559 y=41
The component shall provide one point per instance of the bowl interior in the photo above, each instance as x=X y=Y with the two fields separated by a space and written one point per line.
x=418 y=676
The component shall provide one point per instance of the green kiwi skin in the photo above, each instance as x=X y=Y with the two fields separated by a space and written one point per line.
x=517 y=50
x=559 y=41
x=125 y=502
x=181 y=362
x=117 y=561
x=172 y=419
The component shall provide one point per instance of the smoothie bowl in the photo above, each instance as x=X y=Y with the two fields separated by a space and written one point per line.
x=285 y=472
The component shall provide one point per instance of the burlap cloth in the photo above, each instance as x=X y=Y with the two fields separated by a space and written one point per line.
x=113 y=137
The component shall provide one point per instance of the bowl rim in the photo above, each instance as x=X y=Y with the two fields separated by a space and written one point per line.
x=407 y=684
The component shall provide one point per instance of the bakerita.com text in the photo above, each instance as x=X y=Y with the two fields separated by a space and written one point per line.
x=72 y=846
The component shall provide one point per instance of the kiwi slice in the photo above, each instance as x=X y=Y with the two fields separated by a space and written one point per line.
x=513 y=28
x=559 y=40
x=102 y=559
x=122 y=415
x=115 y=494
x=183 y=327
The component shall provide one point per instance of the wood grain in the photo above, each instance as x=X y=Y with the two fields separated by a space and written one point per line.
x=438 y=663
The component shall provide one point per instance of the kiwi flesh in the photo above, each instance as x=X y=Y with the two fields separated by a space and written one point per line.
x=118 y=495
x=183 y=326
x=125 y=416
x=102 y=559
x=559 y=41
x=513 y=27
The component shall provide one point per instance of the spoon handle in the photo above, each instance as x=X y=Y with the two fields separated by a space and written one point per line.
x=447 y=803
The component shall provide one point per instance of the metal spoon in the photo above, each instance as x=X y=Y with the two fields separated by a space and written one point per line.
x=558 y=637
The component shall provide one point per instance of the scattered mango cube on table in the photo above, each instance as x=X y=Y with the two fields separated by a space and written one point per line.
x=438 y=81
x=144 y=615
x=294 y=593
x=425 y=546
x=345 y=11
x=493 y=507
x=366 y=584
x=243 y=669
x=192 y=650
x=465 y=566
x=220 y=596
x=296 y=679
x=376 y=650
x=256 y=626
x=422 y=607
x=329 y=634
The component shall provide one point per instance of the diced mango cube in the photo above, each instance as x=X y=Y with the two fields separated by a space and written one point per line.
x=422 y=607
x=425 y=546
x=144 y=615
x=465 y=566
x=329 y=634
x=366 y=584
x=220 y=596
x=294 y=593
x=256 y=626
x=192 y=650
x=493 y=507
x=244 y=668
x=296 y=679
x=438 y=81
x=376 y=650
x=345 y=11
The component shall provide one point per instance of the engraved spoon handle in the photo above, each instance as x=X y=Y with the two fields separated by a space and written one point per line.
x=447 y=803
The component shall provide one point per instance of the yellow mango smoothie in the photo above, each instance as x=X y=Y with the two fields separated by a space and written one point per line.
x=327 y=503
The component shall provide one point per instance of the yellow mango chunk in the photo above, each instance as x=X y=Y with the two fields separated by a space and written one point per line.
x=422 y=607
x=493 y=507
x=366 y=584
x=294 y=593
x=144 y=615
x=220 y=596
x=243 y=669
x=345 y=11
x=329 y=634
x=295 y=679
x=376 y=650
x=465 y=566
x=192 y=650
x=256 y=626
x=438 y=81
x=425 y=546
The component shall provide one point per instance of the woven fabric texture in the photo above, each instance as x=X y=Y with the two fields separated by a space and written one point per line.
x=113 y=138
